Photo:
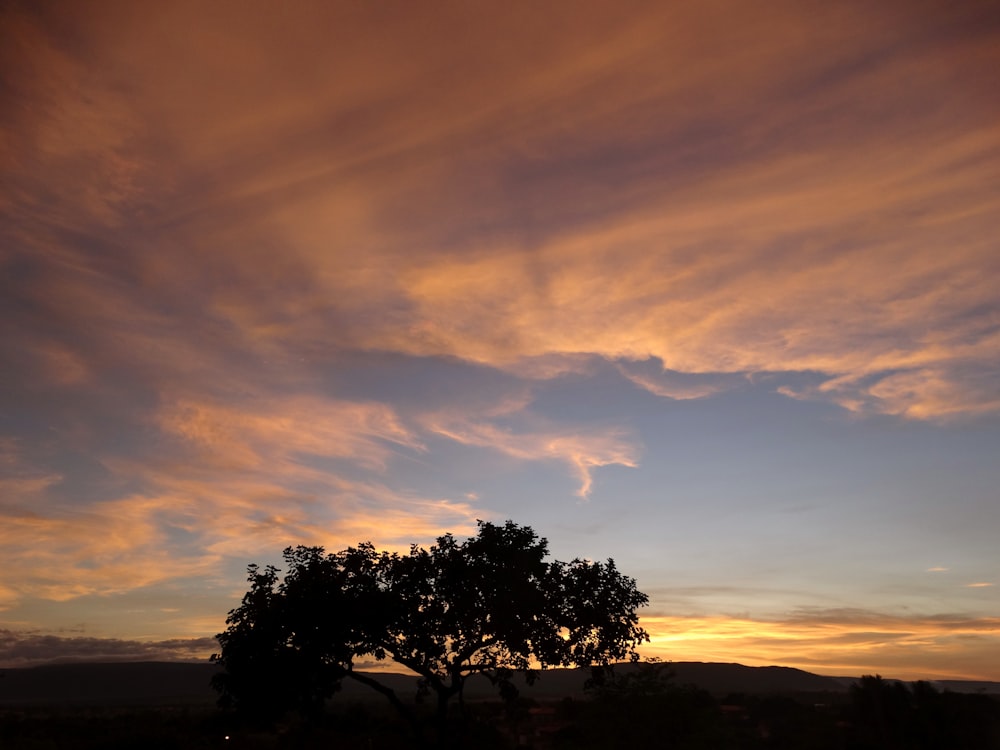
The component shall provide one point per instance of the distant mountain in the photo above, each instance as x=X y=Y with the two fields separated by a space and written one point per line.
x=714 y=677
x=968 y=686
x=736 y=678
x=172 y=684
x=108 y=684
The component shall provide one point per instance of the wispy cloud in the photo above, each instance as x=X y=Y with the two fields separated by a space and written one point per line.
x=223 y=482
x=247 y=435
x=836 y=642
x=660 y=382
x=112 y=547
x=583 y=450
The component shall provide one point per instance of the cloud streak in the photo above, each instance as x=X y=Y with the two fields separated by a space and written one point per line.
x=583 y=451
x=835 y=642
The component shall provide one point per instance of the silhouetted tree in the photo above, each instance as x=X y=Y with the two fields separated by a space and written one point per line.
x=270 y=660
x=883 y=712
x=491 y=605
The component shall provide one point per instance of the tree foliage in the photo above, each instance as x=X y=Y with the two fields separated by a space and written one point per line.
x=894 y=714
x=492 y=605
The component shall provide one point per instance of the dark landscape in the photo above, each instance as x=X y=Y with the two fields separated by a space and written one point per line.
x=185 y=684
x=697 y=705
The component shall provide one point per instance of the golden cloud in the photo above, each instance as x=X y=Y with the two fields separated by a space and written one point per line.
x=847 y=643
x=130 y=543
x=805 y=240
x=584 y=451
x=236 y=483
x=114 y=547
x=251 y=435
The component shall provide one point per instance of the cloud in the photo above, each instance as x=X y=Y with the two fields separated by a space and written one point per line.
x=661 y=382
x=222 y=521
x=8 y=597
x=837 y=642
x=794 y=238
x=250 y=435
x=221 y=482
x=184 y=529
x=613 y=291
x=30 y=648
x=266 y=470
x=112 y=547
x=75 y=152
x=584 y=450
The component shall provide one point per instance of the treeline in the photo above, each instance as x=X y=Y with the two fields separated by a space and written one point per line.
x=641 y=709
x=646 y=711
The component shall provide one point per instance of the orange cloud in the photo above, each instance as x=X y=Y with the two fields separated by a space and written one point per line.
x=78 y=124
x=253 y=434
x=836 y=643
x=891 y=327
x=8 y=597
x=261 y=515
x=583 y=450
x=629 y=291
x=669 y=385
x=232 y=483
x=113 y=547
x=130 y=543
x=802 y=239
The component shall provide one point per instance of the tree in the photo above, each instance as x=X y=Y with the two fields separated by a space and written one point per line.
x=491 y=605
x=271 y=662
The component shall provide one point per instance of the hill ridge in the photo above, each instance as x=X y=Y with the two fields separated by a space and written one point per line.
x=129 y=683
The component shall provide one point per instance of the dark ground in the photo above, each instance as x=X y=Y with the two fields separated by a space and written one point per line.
x=166 y=706
x=159 y=683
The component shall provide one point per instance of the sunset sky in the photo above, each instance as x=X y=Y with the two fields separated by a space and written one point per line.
x=711 y=288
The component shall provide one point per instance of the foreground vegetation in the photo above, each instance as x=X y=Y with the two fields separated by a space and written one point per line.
x=641 y=710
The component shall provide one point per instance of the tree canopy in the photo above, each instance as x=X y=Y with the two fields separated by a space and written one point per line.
x=492 y=605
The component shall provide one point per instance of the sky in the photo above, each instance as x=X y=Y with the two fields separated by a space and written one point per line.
x=708 y=288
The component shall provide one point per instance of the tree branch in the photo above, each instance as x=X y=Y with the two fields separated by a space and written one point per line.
x=390 y=694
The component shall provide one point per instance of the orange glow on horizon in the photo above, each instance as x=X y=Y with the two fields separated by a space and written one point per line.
x=904 y=648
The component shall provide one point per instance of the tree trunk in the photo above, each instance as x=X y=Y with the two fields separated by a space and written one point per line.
x=446 y=737
x=441 y=717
